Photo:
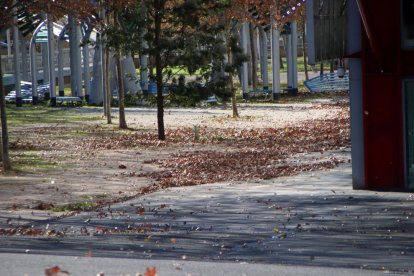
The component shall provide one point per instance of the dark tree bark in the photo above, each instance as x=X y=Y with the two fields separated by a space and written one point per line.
x=121 y=95
x=159 y=5
x=231 y=85
x=4 y=131
x=108 y=83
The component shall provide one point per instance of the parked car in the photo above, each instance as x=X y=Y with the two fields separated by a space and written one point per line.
x=26 y=89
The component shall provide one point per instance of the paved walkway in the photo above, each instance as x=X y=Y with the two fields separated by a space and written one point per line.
x=313 y=219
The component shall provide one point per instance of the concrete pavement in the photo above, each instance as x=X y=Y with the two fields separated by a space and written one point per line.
x=19 y=264
x=312 y=222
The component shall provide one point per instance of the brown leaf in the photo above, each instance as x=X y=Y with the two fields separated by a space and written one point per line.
x=88 y=254
x=55 y=271
x=140 y=211
x=151 y=271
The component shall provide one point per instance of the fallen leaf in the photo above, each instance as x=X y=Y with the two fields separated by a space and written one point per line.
x=88 y=254
x=151 y=271
x=55 y=271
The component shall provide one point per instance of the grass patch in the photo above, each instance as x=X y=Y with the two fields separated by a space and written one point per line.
x=30 y=160
x=42 y=114
x=81 y=206
x=97 y=196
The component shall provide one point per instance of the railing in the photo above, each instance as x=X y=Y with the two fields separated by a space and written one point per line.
x=328 y=82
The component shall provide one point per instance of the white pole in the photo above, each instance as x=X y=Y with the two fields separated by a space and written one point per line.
x=310 y=34
x=275 y=61
x=356 y=96
x=33 y=70
x=8 y=39
x=51 y=53
x=25 y=65
x=244 y=69
x=86 y=69
x=294 y=52
x=263 y=58
x=61 y=79
x=45 y=61
x=78 y=61
x=17 y=78
x=72 y=57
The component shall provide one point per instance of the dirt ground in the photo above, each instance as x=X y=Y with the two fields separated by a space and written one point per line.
x=102 y=173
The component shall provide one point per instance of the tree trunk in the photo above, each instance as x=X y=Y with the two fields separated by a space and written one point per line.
x=321 y=70
x=108 y=83
x=4 y=132
x=253 y=49
x=158 y=68
x=121 y=96
x=305 y=53
x=233 y=92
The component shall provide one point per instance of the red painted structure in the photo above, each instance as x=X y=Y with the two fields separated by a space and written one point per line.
x=385 y=64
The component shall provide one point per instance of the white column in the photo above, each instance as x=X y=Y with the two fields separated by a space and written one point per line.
x=86 y=69
x=310 y=34
x=33 y=71
x=244 y=70
x=289 y=60
x=78 y=61
x=294 y=53
x=61 y=79
x=263 y=58
x=51 y=57
x=355 y=83
x=72 y=57
x=130 y=75
x=8 y=39
x=45 y=61
x=17 y=77
x=25 y=64
x=275 y=61
x=96 y=96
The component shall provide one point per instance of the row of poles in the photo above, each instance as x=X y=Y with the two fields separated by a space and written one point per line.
x=91 y=91
x=291 y=39
x=49 y=66
x=76 y=63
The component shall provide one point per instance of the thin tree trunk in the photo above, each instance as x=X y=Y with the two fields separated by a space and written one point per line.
x=253 y=49
x=305 y=53
x=108 y=88
x=158 y=68
x=332 y=65
x=321 y=71
x=4 y=131
x=108 y=83
x=121 y=96
x=233 y=92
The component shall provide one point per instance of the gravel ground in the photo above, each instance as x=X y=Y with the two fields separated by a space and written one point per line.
x=251 y=116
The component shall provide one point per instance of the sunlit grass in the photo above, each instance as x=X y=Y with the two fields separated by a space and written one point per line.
x=42 y=114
